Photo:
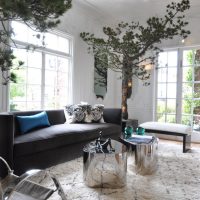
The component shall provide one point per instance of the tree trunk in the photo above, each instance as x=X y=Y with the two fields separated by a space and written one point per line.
x=124 y=98
x=126 y=86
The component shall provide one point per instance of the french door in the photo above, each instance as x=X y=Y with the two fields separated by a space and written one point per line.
x=178 y=87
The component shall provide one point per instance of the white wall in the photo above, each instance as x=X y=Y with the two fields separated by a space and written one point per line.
x=76 y=20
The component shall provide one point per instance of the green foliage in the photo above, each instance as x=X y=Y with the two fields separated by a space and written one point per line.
x=131 y=46
x=40 y=15
x=127 y=44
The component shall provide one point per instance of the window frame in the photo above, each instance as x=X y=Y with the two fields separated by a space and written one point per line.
x=179 y=84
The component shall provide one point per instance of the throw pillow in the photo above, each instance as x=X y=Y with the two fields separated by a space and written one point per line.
x=96 y=113
x=84 y=113
x=27 y=123
x=75 y=113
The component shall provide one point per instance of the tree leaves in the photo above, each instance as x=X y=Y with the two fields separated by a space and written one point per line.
x=39 y=14
x=130 y=42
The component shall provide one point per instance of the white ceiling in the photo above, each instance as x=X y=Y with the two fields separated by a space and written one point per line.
x=134 y=10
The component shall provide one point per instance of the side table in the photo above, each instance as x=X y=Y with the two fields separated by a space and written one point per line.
x=144 y=152
x=129 y=122
x=105 y=168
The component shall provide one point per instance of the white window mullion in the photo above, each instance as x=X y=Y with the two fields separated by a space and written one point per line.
x=43 y=81
x=179 y=86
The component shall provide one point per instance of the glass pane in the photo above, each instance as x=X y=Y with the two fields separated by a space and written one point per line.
x=171 y=106
x=172 y=75
x=35 y=37
x=50 y=78
x=50 y=98
x=33 y=105
x=196 y=122
x=197 y=57
x=20 y=30
x=187 y=57
x=51 y=41
x=21 y=74
x=187 y=90
x=162 y=73
x=17 y=106
x=197 y=73
x=171 y=90
x=60 y=101
x=34 y=76
x=196 y=107
x=171 y=119
x=33 y=93
x=63 y=64
x=197 y=90
x=63 y=44
x=162 y=59
x=172 y=59
x=35 y=59
x=62 y=79
x=161 y=93
x=161 y=106
x=187 y=74
x=21 y=55
x=187 y=106
x=17 y=92
x=186 y=119
x=161 y=117
x=51 y=62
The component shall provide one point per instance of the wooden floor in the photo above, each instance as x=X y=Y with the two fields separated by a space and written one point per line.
x=197 y=145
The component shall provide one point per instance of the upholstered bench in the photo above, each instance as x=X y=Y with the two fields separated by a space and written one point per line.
x=170 y=129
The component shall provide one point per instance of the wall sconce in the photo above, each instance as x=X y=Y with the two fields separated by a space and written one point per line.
x=123 y=109
x=129 y=88
x=148 y=67
x=129 y=83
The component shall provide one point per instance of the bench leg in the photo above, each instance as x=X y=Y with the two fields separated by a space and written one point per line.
x=186 y=143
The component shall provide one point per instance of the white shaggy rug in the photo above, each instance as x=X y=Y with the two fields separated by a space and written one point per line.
x=177 y=178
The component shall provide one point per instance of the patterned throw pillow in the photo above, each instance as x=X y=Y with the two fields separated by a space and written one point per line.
x=75 y=113
x=84 y=113
x=96 y=113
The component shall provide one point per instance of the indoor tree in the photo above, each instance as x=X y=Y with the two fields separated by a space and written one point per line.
x=131 y=47
x=40 y=15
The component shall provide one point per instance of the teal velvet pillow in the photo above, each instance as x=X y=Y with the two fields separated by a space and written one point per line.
x=27 y=123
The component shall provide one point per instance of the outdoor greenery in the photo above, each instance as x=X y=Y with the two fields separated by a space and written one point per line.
x=40 y=15
x=132 y=46
x=189 y=105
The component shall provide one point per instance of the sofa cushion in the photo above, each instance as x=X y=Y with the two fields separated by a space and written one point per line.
x=30 y=122
x=60 y=135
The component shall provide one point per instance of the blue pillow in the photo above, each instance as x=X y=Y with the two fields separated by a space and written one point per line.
x=27 y=123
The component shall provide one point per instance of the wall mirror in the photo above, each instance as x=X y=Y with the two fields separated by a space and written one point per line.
x=100 y=76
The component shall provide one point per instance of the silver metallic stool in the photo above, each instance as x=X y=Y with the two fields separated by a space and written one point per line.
x=144 y=151
x=105 y=164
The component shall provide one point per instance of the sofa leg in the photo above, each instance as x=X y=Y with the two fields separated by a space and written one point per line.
x=186 y=143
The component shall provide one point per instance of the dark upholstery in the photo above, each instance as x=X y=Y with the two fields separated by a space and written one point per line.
x=112 y=115
x=48 y=146
x=60 y=135
x=54 y=116
x=6 y=142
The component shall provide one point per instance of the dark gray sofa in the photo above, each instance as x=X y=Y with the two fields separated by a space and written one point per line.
x=48 y=146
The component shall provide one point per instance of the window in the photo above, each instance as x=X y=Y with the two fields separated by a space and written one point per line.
x=178 y=87
x=44 y=82
x=166 y=86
